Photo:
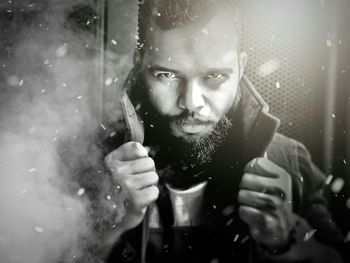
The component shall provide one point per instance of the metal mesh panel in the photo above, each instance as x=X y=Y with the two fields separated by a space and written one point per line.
x=281 y=39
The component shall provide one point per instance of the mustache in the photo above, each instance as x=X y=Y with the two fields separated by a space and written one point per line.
x=192 y=117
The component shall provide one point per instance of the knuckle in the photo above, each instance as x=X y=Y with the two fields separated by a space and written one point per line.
x=135 y=145
x=130 y=145
x=156 y=178
x=155 y=193
x=248 y=176
x=246 y=179
x=150 y=162
x=250 y=167
x=147 y=164
x=138 y=149
x=152 y=177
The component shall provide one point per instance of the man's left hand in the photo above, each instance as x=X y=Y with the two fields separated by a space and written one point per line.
x=265 y=199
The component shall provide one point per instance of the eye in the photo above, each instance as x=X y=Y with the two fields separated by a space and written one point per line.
x=164 y=75
x=215 y=75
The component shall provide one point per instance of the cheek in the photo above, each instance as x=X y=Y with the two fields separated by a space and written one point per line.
x=163 y=97
x=222 y=99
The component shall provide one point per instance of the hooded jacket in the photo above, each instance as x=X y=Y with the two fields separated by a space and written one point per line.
x=315 y=237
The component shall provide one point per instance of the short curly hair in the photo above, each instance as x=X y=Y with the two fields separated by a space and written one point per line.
x=169 y=14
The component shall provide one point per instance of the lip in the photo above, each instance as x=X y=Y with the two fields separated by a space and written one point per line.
x=190 y=127
x=193 y=128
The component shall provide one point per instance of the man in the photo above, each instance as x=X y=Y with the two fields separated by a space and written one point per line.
x=213 y=182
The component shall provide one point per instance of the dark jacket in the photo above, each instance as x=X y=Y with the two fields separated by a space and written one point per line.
x=315 y=238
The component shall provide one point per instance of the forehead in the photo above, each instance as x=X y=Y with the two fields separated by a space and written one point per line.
x=202 y=45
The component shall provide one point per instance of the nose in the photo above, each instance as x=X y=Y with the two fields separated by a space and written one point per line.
x=192 y=97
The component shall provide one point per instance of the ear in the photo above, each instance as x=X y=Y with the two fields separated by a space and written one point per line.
x=243 y=57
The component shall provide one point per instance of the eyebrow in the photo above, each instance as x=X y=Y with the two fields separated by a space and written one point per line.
x=161 y=68
x=222 y=70
x=210 y=70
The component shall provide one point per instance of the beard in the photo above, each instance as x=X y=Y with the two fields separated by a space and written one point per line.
x=192 y=153
x=197 y=151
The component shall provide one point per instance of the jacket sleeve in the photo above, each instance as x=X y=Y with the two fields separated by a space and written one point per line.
x=315 y=237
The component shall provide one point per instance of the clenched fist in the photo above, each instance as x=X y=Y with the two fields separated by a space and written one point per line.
x=134 y=172
x=265 y=199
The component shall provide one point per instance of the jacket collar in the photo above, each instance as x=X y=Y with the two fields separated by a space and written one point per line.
x=258 y=125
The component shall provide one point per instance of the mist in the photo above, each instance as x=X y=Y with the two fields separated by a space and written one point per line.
x=54 y=195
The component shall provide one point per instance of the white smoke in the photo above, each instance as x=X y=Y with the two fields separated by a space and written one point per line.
x=47 y=127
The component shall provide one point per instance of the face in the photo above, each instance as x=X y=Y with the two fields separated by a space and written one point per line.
x=192 y=74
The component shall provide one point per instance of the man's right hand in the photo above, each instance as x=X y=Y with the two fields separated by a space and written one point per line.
x=134 y=172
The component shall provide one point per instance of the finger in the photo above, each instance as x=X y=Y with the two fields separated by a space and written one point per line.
x=126 y=152
x=142 y=165
x=259 y=200
x=264 y=167
x=146 y=196
x=252 y=216
x=261 y=184
x=257 y=219
x=141 y=181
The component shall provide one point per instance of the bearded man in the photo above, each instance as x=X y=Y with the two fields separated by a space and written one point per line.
x=212 y=181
